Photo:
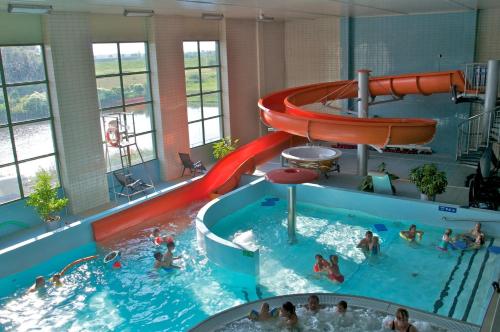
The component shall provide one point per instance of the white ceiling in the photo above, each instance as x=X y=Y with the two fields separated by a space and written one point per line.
x=280 y=9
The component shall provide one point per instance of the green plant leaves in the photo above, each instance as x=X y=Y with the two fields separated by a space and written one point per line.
x=44 y=197
x=428 y=179
x=224 y=147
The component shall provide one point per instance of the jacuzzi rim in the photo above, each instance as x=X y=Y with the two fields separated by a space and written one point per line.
x=286 y=153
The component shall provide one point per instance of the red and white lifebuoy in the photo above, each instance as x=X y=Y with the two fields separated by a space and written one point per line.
x=113 y=136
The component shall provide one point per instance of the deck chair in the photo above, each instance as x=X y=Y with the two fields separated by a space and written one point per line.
x=187 y=163
x=382 y=183
x=130 y=186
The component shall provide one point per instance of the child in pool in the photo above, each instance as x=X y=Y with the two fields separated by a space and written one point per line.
x=168 y=257
x=375 y=246
x=313 y=304
x=334 y=270
x=288 y=313
x=39 y=285
x=412 y=233
x=264 y=314
x=321 y=264
x=341 y=307
x=445 y=240
x=364 y=244
x=56 y=280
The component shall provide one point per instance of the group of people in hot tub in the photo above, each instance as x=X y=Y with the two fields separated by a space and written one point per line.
x=474 y=239
x=288 y=318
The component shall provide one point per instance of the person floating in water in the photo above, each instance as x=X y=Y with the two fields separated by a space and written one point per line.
x=412 y=234
x=334 y=270
x=39 y=285
x=365 y=243
x=374 y=247
x=321 y=264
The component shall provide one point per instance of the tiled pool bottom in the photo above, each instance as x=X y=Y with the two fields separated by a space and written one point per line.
x=137 y=297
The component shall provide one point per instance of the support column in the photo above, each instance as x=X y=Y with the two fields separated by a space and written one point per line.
x=363 y=94
x=291 y=214
x=490 y=97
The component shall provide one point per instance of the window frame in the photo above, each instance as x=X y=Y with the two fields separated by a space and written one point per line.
x=201 y=93
x=10 y=125
x=123 y=107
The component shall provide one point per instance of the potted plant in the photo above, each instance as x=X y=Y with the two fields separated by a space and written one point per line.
x=429 y=181
x=224 y=147
x=367 y=183
x=45 y=201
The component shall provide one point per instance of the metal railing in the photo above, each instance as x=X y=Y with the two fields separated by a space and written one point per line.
x=471 y=136
x=475 y=78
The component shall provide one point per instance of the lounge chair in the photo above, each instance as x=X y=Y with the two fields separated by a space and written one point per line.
x=382 y=183
x=130 y=186
x=187 y=163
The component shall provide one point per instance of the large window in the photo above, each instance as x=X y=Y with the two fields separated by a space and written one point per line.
x=123 y=85
x=203 y=91
x=26 y=131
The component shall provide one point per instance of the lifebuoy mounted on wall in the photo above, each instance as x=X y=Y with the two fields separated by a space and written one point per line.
x=113 y=136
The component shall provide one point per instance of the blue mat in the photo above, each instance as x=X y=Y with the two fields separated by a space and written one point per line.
x=460 y=245
x=268 y=203
x=494 y=249
x=272 y=199
x=380 y=227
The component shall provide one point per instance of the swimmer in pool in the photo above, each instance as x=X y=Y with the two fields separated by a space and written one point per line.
x=56 y=280
x=375 y=246
x=313 y=304
x=168 y=257
x=413 y=233
x=364 y=244
x=263 y=315
x=401 y=323
x=341 y=307
x=321 y=264
x=39 y=285
x=445 y=240
x=288 y=313
x=334 y=270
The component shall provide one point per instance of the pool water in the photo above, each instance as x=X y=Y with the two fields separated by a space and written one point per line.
x=138 y=297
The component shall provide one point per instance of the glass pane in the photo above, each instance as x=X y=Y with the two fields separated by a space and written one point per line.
x=9 y=187
x=28 y=102
x=29 y=169
x=192 y=81
x=211 y=105
x=109 y=91
x=145 y=144
x=6 y=154
x=136 y=88
x=23 y=64
x=133 y=57
x=209 y=55
x=3 y=111
x=105 y=59
x=190 y=54
x=195 y=134
x=210 y=79
x=114 y=158
x=213 y=130
x=194 y=108
x=142 y=117
x=33 y=139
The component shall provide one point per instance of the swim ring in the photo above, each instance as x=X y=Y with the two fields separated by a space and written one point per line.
x=112 y=259
x=418 y=236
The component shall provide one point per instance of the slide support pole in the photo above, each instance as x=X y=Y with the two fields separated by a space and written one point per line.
x=363 y=94
x=490 y=96
x=292 y=193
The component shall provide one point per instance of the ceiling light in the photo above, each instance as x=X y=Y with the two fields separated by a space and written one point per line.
x=264 y=18
x=212 y=16
x=138 y=12
x=18 y=8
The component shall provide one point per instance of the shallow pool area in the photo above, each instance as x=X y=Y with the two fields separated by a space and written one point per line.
x=137 y=296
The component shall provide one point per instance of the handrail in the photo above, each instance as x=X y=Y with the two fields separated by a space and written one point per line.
x=471 y=220
x=478 y=115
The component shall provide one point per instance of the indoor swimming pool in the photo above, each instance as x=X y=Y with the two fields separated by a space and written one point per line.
x=97 y=297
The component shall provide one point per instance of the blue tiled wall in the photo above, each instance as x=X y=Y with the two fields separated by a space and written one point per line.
x=413 y=43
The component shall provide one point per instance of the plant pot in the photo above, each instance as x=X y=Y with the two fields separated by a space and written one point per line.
x=53 y=223
x=424 y=197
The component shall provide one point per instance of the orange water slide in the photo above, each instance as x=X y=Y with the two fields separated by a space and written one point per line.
x=221 y=178
x=284 y=110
